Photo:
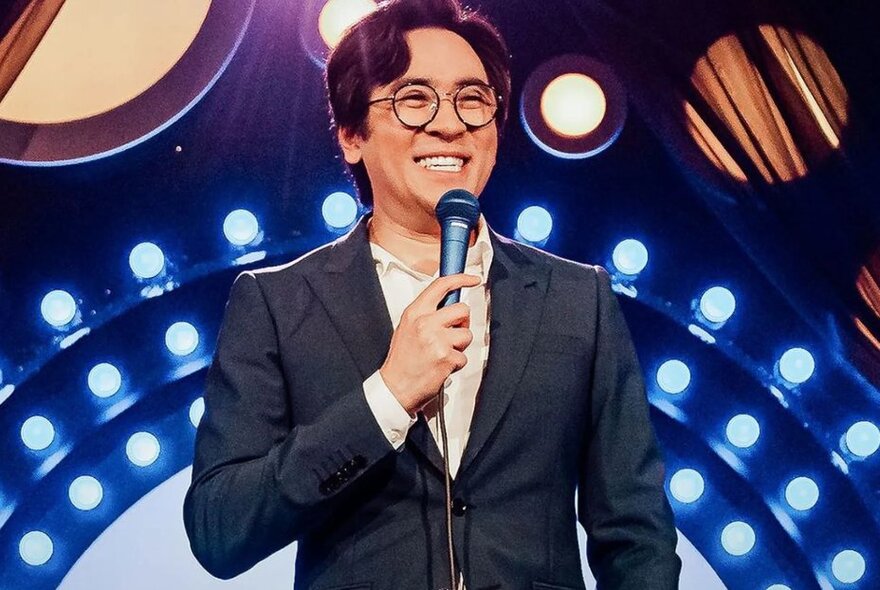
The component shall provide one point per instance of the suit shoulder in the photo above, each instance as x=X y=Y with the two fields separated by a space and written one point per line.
x=562 y=268
x=292 y=270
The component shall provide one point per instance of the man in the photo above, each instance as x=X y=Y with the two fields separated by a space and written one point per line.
x=319 y=424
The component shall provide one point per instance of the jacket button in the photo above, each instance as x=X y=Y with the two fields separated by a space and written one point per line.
x=459 y=507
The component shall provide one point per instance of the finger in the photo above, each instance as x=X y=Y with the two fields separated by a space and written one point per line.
x=457 y=314
x=437 y=290
x=460 y=338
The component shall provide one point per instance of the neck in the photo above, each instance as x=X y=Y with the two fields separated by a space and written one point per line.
x=416 y=247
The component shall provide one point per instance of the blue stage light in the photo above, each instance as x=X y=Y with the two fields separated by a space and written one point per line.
x=738 y=538
x=142 y=449
x=339 y=210
x=743 y=431
x=37 y=433
x=196 y=411
x=848 y=566
x=35 y=548
x=58 y=308
x=778 y=587
x=104 y=380
x=534 y=224
x=181 y=338
x=146 y=260
x=863 y=439
x=796 y=365
x=717 y=304
x=802 y=493
x=673 y=376
x=85 y=492
x=241 y=227
x=630 y=257
x=687 y=485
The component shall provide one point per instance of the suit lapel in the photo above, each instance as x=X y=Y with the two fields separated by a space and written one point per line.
x=350 y=291
x=517 y=287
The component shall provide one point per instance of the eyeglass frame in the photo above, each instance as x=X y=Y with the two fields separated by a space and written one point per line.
x=451 y=96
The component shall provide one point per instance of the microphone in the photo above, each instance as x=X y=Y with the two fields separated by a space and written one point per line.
x=457 y=212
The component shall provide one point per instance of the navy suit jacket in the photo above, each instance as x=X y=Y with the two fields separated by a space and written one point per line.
x=288 y=449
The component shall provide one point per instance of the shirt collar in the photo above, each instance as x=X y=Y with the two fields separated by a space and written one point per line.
x=478 y=262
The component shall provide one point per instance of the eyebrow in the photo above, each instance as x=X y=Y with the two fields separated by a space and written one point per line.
x=432 y=82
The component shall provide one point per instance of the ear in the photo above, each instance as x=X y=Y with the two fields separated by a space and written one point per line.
x=350 y=142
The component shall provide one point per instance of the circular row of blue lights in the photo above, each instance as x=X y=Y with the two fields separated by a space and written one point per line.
x=86 y=492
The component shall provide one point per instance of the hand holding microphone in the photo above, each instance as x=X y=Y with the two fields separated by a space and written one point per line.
x=428 y=344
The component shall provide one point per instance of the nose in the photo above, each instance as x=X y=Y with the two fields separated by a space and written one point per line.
x=446 y=121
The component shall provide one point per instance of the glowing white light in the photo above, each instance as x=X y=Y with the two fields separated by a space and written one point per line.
x=339 y=210
x=37 y=433
x=848 y=566
x=778 y=587
x=104 y=380
x=196 y=411
x=796 y=365
x=863 y=439
x=802 y=493
x=146 y=260
x=339 y=15
x=717 y=304
x=534 y=224
x=35 y=548
x=687 y=485
x=743 y=431
x=738 y=538
x=85 y=492
x=673 y=376
x=142 y=449
x=58 y=308
x=241 y=227
x=181 y=338
x=573 y=105
x=630 y=257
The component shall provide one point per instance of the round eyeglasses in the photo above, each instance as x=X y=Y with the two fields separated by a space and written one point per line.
x=416 y=105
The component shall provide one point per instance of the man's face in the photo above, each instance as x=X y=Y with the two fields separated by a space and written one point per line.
x=405 y=185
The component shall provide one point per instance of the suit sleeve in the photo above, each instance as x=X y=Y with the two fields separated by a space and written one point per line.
x=622 y=503
x=260 y=483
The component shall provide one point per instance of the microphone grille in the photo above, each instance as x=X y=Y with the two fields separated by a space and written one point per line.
x=458 y=203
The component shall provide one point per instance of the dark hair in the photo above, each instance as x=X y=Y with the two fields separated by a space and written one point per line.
x=374 y=53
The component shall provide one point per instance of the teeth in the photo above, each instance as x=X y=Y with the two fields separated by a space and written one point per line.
x=445 y=163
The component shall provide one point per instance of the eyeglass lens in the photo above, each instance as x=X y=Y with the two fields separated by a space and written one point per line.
x=416 y=105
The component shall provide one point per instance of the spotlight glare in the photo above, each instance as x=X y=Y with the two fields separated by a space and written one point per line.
x=35 y=548
x=717 y=304
x=534 y=224
x=796 y=365
x=241 y=227
x=687 y=486
x=196 y=411
x=142 y=449
x=104 y=380
x=339 y=15
x=630 y=257
x=85 y=492
x=37 y=433
x=802 y=493
x=181 y=338
x=743 y=431
x=848 y=566
x=146 y=260
x=738 y=538
x=339 y=210
x=778 y=587
x=58 y=308
x=863 y=439
x=573 y=105
x=673 y=376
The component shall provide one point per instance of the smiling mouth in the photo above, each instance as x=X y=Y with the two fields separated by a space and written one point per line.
x=442 y=163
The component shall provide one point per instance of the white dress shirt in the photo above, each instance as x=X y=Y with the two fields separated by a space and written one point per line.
x=401 y=285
